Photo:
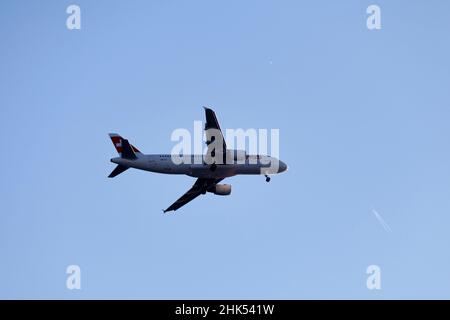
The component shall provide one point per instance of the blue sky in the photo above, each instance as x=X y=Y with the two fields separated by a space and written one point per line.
x=364 y=125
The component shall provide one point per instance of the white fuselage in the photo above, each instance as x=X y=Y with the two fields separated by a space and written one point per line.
x=193 y=165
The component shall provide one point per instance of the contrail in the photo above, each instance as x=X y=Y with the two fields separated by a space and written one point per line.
x=382 y=222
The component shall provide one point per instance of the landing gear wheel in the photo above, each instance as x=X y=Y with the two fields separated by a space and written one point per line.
x=267 y=178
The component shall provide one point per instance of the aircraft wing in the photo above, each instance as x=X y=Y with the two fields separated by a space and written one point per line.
x=200 y=186
x=213 y=132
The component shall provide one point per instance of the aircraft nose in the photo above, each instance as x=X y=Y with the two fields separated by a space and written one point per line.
x=282 y=167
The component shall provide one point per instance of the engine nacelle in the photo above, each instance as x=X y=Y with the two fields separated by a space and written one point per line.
x=221 y=189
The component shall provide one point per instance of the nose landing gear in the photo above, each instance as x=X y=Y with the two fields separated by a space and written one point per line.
x=267 y=178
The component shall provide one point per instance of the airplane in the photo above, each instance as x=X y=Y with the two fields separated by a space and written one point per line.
x=210 y=169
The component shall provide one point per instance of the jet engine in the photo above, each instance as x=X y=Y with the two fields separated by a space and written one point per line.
x=221 y=189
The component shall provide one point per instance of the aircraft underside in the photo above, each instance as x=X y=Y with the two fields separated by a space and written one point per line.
x=208 y=175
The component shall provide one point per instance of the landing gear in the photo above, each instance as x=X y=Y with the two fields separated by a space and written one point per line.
x=267 y=178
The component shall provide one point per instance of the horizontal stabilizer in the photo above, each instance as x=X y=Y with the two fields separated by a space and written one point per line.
x=118 y=170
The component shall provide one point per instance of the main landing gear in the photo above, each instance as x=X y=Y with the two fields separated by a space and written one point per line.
x=267 y=178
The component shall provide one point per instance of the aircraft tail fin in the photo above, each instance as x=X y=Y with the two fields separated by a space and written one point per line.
x=118 y=170
x=127 y=150
x=119 y=144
